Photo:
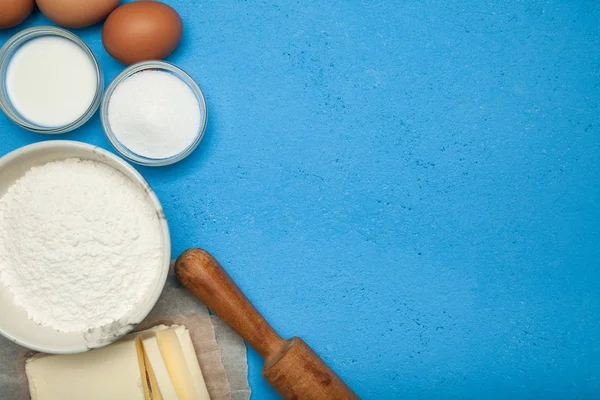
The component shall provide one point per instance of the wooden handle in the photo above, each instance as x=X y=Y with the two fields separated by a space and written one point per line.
x=293 y=369
x=202 y=275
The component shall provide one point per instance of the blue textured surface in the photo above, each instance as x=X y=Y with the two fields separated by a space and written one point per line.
x=412 y=187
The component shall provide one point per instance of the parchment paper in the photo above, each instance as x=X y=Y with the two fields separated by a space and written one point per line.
x=233 y=356
x=175 y=306
x=13 y=381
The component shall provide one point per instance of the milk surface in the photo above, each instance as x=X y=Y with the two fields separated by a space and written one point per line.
x=51 y=81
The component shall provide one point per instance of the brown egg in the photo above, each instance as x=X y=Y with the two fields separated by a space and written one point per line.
x=142 y=30
x=13 y=12
x=76 y=13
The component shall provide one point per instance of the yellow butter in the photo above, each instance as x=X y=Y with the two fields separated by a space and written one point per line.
x=112 y=372
x=161 y=386
x=192 y=361
x=181 y=361
x=143 y=370
x=157 y=364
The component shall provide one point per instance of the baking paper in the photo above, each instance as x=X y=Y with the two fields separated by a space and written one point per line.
x=233 y=355
x=13 y=381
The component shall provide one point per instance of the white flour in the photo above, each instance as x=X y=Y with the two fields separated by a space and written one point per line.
x=80 y=244
x=154 y=114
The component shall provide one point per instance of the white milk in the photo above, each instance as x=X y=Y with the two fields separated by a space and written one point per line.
x=51 y=81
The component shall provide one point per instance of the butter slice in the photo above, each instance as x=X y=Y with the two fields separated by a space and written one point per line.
x=161 y=385
x=111 y=372
x=146 y=376
x=180 y=358
x=192 y=361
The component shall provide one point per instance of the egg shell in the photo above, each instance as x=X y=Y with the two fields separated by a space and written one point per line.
x=13 y=12
x=142 y=30
x=76 y=13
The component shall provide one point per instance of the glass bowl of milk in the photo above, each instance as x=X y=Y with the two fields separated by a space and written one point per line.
x=51 y=80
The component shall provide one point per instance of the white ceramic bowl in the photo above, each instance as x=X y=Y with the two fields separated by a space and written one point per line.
x=14 y=323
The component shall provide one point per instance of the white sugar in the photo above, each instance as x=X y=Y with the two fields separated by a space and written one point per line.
x=154 y=114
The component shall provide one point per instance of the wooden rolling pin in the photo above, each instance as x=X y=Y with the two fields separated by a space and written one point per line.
x=294 y=370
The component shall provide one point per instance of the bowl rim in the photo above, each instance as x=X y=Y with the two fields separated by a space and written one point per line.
x=145 y=66
x=6 y=53
x=141 y=309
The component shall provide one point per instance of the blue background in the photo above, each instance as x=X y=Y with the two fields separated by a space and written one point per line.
x=412 y=186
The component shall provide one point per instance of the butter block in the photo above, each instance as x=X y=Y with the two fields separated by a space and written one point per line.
x=157 y=364
x=112 y=372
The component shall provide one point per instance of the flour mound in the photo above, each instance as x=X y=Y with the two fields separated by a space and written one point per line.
x=80 y=244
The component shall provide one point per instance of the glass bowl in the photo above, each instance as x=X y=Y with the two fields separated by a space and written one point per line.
x=6 y=53
x=153 y=65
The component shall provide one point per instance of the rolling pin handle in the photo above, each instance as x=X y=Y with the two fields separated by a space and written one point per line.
x=198 y=271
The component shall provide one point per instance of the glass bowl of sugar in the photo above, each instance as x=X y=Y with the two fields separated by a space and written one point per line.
x=154 y=113
x=51 y=81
